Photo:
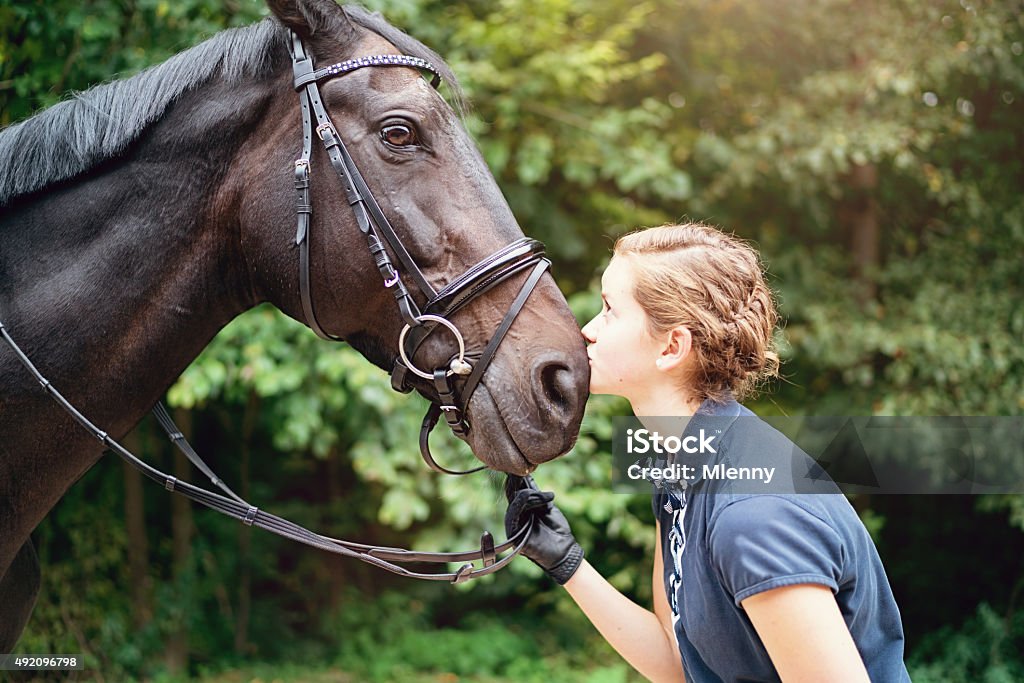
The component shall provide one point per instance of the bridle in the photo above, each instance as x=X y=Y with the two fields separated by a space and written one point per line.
x=440 y=304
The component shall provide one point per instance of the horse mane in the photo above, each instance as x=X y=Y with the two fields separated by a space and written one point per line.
x=75 y=135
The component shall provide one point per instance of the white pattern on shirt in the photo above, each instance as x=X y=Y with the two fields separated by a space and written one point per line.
x=676 y=505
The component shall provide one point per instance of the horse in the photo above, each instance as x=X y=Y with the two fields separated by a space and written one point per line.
x=141 y=216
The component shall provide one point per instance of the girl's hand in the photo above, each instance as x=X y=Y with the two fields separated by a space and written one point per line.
x=552 y=546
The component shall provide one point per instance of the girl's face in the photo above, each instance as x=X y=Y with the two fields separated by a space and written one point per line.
x=622 y=352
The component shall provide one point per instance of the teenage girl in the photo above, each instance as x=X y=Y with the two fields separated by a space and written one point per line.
x=748 y=586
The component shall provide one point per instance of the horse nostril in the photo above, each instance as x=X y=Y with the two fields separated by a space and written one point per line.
x=559 y=389
x=559 y=386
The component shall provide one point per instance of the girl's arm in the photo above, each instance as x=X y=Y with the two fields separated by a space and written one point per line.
x=805 y=635
x=645 y=639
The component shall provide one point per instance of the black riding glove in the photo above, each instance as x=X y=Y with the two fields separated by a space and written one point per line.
x=552 y=546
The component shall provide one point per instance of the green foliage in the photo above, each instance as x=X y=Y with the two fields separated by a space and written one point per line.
x=403 y=645
x=83 y=606
x=988 y=649
x=547 y=81
x=48 y=48
x=1015 y=505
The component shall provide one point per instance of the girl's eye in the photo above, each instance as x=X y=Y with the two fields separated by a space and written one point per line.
x=399 y=135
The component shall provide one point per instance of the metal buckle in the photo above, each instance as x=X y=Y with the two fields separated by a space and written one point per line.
x=325 y=127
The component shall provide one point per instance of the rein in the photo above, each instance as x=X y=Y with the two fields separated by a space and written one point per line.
x=519 y=256
x=233 y=505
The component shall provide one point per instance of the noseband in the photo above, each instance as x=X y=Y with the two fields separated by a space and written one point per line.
x=441 y=305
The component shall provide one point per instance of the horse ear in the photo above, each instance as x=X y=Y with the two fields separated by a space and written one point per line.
x=315 y=21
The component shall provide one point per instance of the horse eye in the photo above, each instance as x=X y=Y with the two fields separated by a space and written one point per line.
x=399 y=135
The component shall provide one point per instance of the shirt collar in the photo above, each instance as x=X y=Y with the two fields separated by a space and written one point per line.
x=714 y=418
x=728 y=407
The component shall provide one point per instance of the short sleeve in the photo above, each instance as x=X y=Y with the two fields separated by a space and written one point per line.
x=765 y=542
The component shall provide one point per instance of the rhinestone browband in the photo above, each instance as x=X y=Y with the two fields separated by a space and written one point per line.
x=373 y=60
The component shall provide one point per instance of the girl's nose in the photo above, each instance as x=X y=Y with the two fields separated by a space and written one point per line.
x=588 y=331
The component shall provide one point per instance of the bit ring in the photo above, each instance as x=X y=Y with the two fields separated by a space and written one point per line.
x=460 y=360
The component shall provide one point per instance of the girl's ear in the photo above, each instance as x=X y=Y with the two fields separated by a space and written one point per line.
x=677 y=348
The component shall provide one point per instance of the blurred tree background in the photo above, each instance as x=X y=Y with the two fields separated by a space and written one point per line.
x=872 y=150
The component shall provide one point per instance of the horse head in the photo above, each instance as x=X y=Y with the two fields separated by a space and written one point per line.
x=433 y=188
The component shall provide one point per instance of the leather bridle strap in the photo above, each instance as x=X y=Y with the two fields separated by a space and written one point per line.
x=368 y=214
x=356 y=190
x=496 y=268
x=250 y=515
x=178 y=439
x=499 y=334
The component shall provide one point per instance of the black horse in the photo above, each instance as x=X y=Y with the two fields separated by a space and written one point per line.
x=139 y=217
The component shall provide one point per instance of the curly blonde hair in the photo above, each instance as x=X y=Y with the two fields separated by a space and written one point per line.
x=713 y=284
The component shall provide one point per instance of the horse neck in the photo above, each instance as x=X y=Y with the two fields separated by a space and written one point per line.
x=115 y=281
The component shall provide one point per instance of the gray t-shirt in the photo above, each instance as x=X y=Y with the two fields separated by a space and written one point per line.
x=721 y=545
